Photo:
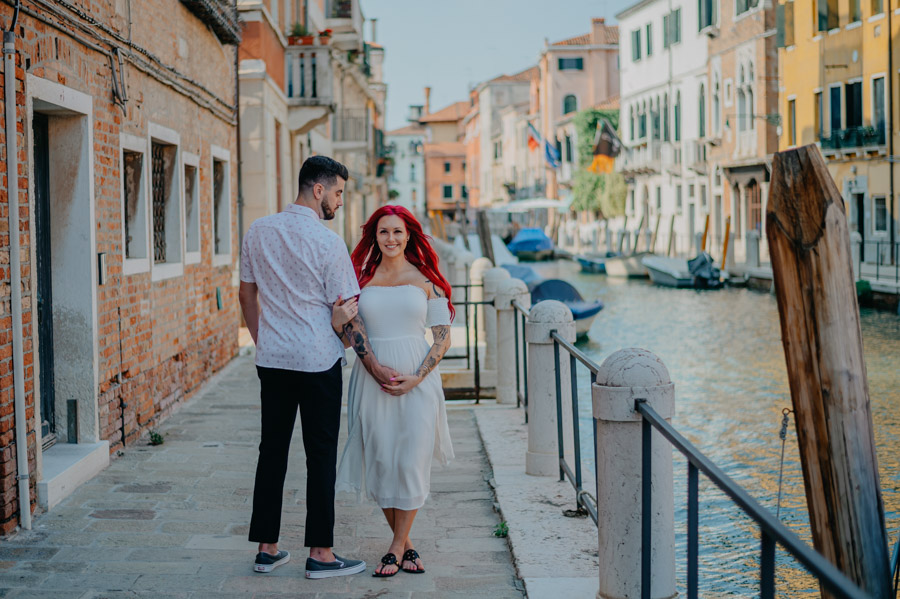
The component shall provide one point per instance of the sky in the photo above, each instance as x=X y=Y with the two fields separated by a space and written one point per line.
x=452 y=45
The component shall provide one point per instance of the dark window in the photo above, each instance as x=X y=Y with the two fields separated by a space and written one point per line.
x=706 y=9
x=672 y=28
x=742 y=6
x=792 y=122
x=631 y=122
x=880 y=215
x=877 y=7
x=446 y=167
x=570 y=64
x=463 y=192
x=702 y=111
x=133 y=204
x=635 y=45
x=191 y=210
x=658 y=199
x=878 y=111
x=853 y=95
x=855 y=11
x=649 y=35
x=666 y=118
x=820 y=123
x=678 y=117
x=448 y=192
x=220 y=208
x=754 y=207
x=568 y=149
x=160 y=192
x=678 y=198
x=784 y=24
x=835 y=107
x=827 y=15
x=570 y=104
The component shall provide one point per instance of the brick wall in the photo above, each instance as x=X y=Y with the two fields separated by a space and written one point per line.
x=157 y=341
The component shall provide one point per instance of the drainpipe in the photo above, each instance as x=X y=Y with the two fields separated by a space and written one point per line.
x=15 y=273
x=890 y=131
x=237 y=118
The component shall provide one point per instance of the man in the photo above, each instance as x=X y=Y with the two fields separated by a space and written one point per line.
x=293 y=270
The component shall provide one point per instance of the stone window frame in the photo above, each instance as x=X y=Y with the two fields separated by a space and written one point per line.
x=171 y=268
x=220 y=154
x=136 y=144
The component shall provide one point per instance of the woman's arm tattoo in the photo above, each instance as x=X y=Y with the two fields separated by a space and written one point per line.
x=441 y=334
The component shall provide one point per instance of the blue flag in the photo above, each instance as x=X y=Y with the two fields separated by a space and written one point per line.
x=551 y=155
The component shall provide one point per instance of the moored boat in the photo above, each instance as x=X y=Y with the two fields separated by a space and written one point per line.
x=583 y=312
x=627 y=266
x=592 y=264
x=531 y=244
x=668 y=272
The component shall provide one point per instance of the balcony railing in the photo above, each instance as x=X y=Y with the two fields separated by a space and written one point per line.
x=351 y=125
x=697 y=156
x=645 y=158
x=854 y=137
x=308 y=75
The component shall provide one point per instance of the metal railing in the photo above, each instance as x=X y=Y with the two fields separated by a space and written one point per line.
x=521 y=315
x=584 y=499
x=471 y=319
x=854 y=137
x=884 y=256
x=772 y=531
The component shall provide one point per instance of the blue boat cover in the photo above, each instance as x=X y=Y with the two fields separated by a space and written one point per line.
x=530 y=240
x=556 y=289
x=524 y=273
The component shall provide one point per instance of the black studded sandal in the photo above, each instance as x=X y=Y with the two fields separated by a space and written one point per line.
x=389 y=559
x=411 y=555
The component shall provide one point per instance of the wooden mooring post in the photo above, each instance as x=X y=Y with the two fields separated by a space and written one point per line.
x=809 y=244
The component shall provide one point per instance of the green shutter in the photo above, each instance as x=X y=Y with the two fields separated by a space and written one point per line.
x=779 y=25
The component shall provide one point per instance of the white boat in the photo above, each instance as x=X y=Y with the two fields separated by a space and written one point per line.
x=670 y=272
x=627 y=266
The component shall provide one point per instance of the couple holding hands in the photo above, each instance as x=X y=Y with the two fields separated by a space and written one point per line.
x=305 y=300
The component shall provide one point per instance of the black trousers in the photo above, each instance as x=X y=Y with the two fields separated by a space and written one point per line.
x=318 y=396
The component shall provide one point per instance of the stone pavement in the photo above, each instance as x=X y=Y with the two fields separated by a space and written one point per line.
x=171 y=521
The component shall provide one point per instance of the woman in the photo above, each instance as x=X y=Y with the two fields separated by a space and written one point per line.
x=396 y=429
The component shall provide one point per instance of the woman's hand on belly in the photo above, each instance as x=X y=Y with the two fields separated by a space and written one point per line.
x=402 y=384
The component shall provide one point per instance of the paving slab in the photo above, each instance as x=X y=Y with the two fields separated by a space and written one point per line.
x=171 y=521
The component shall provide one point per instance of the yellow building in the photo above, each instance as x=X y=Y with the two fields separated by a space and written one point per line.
x=838 y=62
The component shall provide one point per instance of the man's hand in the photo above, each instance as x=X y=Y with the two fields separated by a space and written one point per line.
x=343 y=312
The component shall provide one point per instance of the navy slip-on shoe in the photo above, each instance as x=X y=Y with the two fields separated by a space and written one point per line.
x=266 y=562
x=339 y=567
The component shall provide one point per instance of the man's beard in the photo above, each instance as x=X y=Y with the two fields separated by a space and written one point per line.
x=327 y=212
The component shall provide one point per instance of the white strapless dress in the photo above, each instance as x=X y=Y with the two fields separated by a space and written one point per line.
x=392 y=440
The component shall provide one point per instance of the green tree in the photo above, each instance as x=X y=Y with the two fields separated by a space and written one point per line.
x=591 y=191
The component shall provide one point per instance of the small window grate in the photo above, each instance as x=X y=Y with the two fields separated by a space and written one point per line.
x=218 y=185
x=159 y=204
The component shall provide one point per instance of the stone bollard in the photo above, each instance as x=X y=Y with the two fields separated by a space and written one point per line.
x=508 y=290
x=625 y=376
x=751 y=260
x=476 y=293
x=855 y=245
x=542 y=458
x=492 y=278
x=609 y=238
x=595 y=240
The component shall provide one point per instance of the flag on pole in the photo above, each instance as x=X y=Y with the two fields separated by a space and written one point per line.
x=534 y=138
x=607 y=146
x=551 y=155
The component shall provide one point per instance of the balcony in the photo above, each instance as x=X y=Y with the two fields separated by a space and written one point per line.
x=351 y=125
x=643 y=159
x=345 y=20
x=308 y=78
x=696 y=149
x=854 y=138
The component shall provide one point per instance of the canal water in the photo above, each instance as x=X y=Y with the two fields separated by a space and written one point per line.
x=724 y=354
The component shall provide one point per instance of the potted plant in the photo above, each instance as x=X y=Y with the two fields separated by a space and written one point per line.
x=300 y=36
x=324 y=37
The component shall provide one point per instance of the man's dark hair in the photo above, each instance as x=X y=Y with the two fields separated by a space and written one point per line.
x=321 y=169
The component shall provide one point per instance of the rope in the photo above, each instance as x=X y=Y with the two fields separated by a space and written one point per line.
x=783 y=435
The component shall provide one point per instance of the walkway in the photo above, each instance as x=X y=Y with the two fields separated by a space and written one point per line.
x=171 y=521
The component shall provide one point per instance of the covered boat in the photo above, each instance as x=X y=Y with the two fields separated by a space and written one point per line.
x=531 y=244
x=627 y=266
x=592 y=264
x=698 y=273
x=524 y=273
x=583 y=312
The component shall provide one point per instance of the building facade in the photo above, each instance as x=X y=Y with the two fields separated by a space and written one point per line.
x=445 y=158
x=574 y=74
x=845 y=105
x=321 y=93
x=407 y=150
x=663 y=124
x=741 y=128
x=119 y=288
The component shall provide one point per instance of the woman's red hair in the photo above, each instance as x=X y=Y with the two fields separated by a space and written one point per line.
x=367 y=255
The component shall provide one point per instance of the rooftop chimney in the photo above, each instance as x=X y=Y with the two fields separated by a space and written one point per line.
x=374 y=38
x=427 y=109
x=599 y=20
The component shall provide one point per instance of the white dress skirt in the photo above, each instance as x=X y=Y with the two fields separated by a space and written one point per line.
x=392 y=440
